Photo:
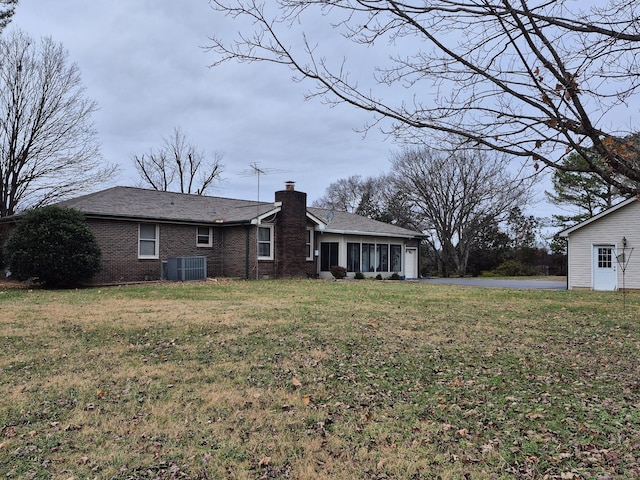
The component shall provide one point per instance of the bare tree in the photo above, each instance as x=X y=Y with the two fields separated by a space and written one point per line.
x=7 y=8
x=458 y=193
x=346 y=194
x=533 y=79
x=179 y=166
x=48 y=145
x=371 y=197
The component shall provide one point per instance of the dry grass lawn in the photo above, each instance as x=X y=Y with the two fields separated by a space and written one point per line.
x=318 y=379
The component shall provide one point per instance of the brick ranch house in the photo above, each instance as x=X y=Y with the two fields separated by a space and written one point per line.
x=140 y=230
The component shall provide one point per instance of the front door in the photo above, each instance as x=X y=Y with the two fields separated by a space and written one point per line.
x=604 y=267
x=411 y=263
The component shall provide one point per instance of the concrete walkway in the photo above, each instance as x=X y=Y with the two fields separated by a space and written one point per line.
x=501 y=283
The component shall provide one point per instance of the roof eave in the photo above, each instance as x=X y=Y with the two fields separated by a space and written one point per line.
x=181 y=221
x=565 y=233
x=372 y=234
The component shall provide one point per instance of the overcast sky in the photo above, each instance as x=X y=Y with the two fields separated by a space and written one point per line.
x=142 y=61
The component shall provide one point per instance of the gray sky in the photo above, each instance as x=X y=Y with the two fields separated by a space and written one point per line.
x=143 y=62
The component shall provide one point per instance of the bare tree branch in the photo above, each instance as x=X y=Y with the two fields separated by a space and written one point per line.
x=7 y=9
x=371 y=197
x=48 y=146
x=458 y=194
x=531 y=79
x=179 y=166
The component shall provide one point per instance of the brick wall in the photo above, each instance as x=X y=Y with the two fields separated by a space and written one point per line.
x=232 y=249
x=118 y=241
x=291 y=234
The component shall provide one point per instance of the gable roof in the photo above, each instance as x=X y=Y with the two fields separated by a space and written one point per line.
x=565 y=233
x=133 y=203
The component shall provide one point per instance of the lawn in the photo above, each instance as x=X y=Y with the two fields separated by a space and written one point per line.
x=316 y=379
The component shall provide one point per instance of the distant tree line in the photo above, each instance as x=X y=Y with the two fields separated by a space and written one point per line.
x=467 y=202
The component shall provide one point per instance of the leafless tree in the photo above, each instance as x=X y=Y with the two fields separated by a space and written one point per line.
x=178 y=166
x=458 y=193
x=346 y=194
x=7 y=8
x=372 y=197
x=48 y=145
x=534 y=79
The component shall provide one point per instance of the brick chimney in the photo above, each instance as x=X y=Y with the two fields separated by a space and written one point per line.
x=291 y=232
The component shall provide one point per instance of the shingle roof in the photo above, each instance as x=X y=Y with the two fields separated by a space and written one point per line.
x=143 y=204
x=139 y=203
x=349 y=223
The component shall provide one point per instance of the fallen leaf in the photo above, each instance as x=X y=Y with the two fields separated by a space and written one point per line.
x=296 y=382
x=306 y=399
x=487 y=447
x=264 y=462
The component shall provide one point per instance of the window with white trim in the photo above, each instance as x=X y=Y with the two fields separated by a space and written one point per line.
x=204 y=236
x=374 y=257
x=265 y=243
x=309 y=244
x=148 y=245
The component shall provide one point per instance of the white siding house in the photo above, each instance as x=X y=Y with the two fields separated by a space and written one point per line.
x=601 y=250
x=364 y=245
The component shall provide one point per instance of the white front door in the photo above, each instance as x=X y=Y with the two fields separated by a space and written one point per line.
x=411 y=263
x=604 y=267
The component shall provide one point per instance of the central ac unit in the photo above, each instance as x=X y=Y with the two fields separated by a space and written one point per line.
x=183 y=269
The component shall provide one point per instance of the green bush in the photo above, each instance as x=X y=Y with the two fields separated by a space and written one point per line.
x=359 y=276
x=513 y=268
x=379 y=276
x=53 y=246
x=338 y=272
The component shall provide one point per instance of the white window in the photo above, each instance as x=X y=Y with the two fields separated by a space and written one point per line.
x=204 y=237
x=265 y=243
x=309 y=244
x=148 y=240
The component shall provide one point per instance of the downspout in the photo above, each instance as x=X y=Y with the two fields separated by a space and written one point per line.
x=567 y=265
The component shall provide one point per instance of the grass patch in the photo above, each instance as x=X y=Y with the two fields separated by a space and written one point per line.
x=315 y=379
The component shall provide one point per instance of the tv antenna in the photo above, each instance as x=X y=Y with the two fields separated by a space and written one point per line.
x=255 y=169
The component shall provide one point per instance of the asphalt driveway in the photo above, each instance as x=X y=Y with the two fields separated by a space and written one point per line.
x=501 y=283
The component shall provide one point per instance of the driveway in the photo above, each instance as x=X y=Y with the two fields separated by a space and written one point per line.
x=501 y=283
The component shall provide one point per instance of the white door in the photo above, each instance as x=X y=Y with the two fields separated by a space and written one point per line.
x=604 y=267
x=411 y=263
